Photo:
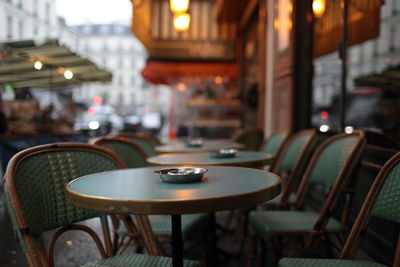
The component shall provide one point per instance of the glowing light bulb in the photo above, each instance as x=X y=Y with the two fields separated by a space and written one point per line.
x=68 y=74
x=324 y=128
x=38 y=65
x=318 y=7
x=179 y=6
x=181 y=22
x=348 y=129
x=181 y=87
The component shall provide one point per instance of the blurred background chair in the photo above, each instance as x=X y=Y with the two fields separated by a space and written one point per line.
x=131 y=153
x=146 y=141
x=382 y=201
x=36 y=200
x=290 y=164
x=135 y=157
x=331 y=167
x=251 y=138
x=274 y=143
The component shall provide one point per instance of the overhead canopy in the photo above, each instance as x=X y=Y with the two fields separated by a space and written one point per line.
x=17 y=65
x=168 y=72
x=388 y=78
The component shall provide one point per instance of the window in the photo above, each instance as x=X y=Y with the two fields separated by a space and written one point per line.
x=104 y=63
x=35 y=30
x=120 y=80
x=105 y=46
x=120 y=62
x=133 y=80
x=21 y=29
x=9 y=27
x=104 y=29
x=48 y=11
x=35 y=7
x=120 y=99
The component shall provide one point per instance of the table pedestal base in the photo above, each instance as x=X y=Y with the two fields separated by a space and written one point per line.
x=176 y=240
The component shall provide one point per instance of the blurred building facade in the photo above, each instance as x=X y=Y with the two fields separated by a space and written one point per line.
x=27 y=19
x=114 y=48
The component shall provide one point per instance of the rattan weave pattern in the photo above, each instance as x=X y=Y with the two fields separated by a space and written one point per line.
x=298 y=262
x=139 y=260
x=132 y=157
x=144 y=144
x=327 y=168
x=14 y=220
x=293 y=152
x=41 y=181
x=386 y=205
x=274 y=142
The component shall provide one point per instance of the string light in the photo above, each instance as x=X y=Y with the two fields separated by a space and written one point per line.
x=179 y=6
x=68 y=74
x=38 y=65
x=318 y=7
x=181 y=22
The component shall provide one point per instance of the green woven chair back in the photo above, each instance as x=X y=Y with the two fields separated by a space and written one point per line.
x=130 y=152
x=297 y=148
x=147 y=142
x=331 y=166
x=251 y=138
x=35 y=183
x=387 y=203
x=332 y=160
x=274 y=143
x=145 y=145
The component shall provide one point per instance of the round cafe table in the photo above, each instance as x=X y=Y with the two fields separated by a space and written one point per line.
x=209 y=145
x=140 y=191
x=251 y=159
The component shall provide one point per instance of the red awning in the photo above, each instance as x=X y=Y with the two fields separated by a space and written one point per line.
x=158 y=72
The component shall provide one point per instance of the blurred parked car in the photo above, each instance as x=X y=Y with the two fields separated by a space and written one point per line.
x=99 y=120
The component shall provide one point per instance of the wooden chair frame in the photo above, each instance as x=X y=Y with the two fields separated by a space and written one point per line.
x=243 y=132
x=101 y=140
x=360 y=225
x=353 y=240
x=37 y=255
x=319 y=230
x=145 y=136
x=290 y=185
x=285 y=139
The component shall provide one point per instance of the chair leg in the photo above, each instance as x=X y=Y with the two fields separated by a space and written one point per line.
x=229 y=219
x=252 y=259
x=277 y=247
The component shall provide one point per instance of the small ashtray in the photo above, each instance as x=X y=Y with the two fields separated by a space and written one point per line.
x=198 y=142
x=223 y=153
x=181 y=174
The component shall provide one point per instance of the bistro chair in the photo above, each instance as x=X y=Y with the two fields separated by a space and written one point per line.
x=146 y=141
x=131 y=153
x=330 y=167
x=251 y=138
x=290 y=165
x=35 y=194
x=135 y=157
x=382 y=201
x=273 y=145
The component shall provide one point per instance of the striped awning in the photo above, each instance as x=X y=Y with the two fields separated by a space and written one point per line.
x=17 y=65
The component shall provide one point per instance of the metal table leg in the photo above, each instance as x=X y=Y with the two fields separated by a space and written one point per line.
x=176 y=241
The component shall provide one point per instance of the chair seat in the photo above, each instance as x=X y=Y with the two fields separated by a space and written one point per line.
x=142 y=260
x=298 y=262
x=278 y=199
x=162 y=223
x=265 y=222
